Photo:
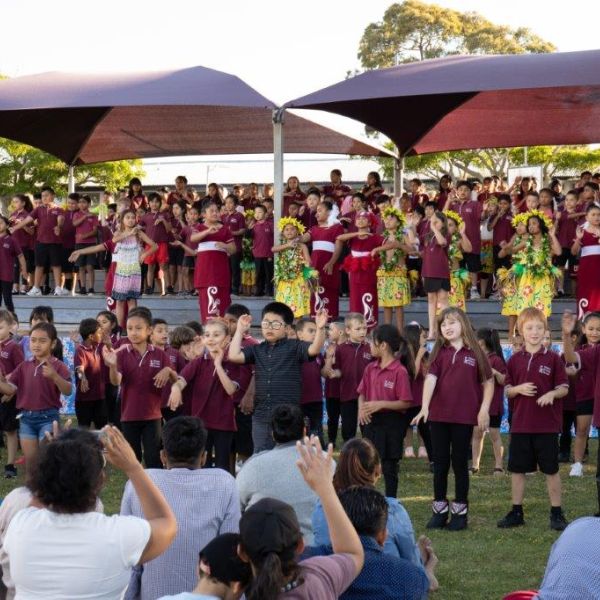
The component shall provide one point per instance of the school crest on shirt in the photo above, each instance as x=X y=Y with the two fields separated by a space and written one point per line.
x=469 y=360
x=388 y=384
x=155 y=364
x=544 y=370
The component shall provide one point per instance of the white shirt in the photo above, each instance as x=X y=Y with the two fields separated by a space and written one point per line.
x=68 y=557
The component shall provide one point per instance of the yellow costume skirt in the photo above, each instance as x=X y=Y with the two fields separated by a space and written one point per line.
x=459 y=279
x=507 y=284
x=487 y=257
x=535 y=292
x=296 y=294
x=393 y=288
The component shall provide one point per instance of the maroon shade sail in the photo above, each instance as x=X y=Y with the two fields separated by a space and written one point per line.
x=88 y=118
x=467 y=102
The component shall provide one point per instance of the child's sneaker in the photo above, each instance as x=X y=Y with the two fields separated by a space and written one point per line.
x=422 y=452
x=409 y=452
x=440 y=515
x=10 y=471
x=458 y=518
x=91 y=291
x=576 y=470
x=557 y=520
x=475 y=294
x=513 y=519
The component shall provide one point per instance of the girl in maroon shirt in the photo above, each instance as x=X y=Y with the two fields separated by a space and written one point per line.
x=24 y=237
x=10 y=253
x=373 y=188
x=292 y=193
x=135 y=195
x=457 y=363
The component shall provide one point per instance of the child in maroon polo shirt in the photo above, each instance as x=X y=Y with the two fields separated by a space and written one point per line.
x=335 y=336
x=142 y=370
x=535 y=381
x=157 y=224
x=86 y=234
x=262 y=242
x=90 y=403
x=384 y=396
x=10 y=252
x=351 y=358
x=457 y=394
x=311 y=401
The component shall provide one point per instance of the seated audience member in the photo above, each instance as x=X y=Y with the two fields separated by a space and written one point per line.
x=271 y=539
x=359 y=464
x=205 y=503
x=60 y=547
x=383 y=576
x=273 y=473
x=221 y=572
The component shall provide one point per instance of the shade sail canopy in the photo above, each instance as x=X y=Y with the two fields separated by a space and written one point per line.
x=87 y=118
x=464 y=102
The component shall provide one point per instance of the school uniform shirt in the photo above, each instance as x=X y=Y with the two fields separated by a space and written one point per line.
x=416 y=388
x=34 y=391
x=157 y=232
x=212 y=264
x=503 y=229
x=186 y=234
x=177 y=362
x=470 y=211
x=312 y=388
x=589 y=359
x=352 y=360
x=435 y=259
x=262 y=239
x=458 y=390
x=290 y=197
x=236 y=222
x=390 y=383
x=566 y=228
x=247 y=370
x=585 y=382
x=67 y=234
x=88 y=225
x=140 y=398
x=47 y=220
x=546 y=371
x=308 y=218
x=11 y=355
x=497 y=405
x=89 y=358
x=24 y=239
x=9 y=250
x=137 y=202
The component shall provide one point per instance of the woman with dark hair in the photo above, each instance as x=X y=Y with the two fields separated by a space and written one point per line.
x=373 y=188
x=136 y=195
x=99 y=550
x=445 y=190
x=213 y=193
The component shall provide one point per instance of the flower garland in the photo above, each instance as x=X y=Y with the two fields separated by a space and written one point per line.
x=288 y=264
x=536 y=261
x=454 y=249
x=391 y=264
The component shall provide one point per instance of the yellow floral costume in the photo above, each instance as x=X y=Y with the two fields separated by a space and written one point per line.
x=291 y=287
x=393 y=287
x=459 y=278
x=508 y=283
x=247 y=267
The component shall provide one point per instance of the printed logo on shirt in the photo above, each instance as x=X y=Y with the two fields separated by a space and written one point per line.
x=367 y=355
x=469 y=360
x=173 y=359
x=544 y=370
x=4 y=354
x=6 y=245
x=388 y=384
x=154 y=364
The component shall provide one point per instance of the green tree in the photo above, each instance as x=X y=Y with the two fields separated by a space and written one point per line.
x=24 y=168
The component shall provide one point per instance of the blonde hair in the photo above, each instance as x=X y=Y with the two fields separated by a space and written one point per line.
x=354 y=316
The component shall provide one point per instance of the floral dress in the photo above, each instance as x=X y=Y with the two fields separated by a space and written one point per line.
x=459 y=278
x=247 y=266
x=393 y=287
x=291 y=285
x=127 y=282
x=508 y=283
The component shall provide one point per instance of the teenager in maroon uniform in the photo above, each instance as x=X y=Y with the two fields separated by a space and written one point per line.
x=235 y=221
x=567 y=221
x=292 y=193
x=135 y=195
x=500 y=224
x=417 y=196
x=536 y=381
x=308 y=213
x=262 y=242
x=211 y=273
x=373 y=188
x=10 y=253
x=443 y=192
x=68 y=243
x=587 y=243
x=336 y=189
x=86 y=234
x=181 y=192
x=457 y=363
x=25 y=238
x=324 y=258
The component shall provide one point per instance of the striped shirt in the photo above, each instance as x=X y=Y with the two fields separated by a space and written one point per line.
x=206 y=504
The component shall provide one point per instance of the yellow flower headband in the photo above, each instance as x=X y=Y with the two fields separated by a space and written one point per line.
x=541 y=216
x=450 y=214
x=392 y=211
x=249 y=214
x=520 y=218
x=291 y=221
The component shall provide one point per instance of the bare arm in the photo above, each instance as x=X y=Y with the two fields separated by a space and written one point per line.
x=344 y=237
x=26 y=221
x=235 y=353
x=317 y=345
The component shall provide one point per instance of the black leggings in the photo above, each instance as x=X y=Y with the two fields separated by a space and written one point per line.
x=569 y=418
x=423 y=429
x=349 y=413
x=313 y=411
x=234 y=267
x=6 y=287
x=113 y=409
x=451 y=442
x=333 y=418
x=144 y=435
x=264 y=276
x=218 y=448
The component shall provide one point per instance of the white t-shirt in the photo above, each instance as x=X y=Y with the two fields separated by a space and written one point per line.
x=68 y=557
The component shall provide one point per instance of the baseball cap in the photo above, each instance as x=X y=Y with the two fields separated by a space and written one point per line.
x=219 y=559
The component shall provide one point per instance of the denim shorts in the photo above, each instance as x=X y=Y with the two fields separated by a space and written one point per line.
x=35 y=423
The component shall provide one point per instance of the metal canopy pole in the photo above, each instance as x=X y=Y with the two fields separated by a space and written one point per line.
x=71 y=179
x=398 y=176
x=278 y=163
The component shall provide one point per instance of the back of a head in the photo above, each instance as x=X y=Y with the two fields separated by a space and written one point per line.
x=366 y=508
x=358 y=464
x=287 y=422
x=67 y=474
x=184 y=440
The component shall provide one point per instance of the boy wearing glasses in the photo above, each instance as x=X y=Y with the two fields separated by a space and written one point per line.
x=278 y=364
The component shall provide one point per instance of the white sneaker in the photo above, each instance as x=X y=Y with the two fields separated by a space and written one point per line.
x=576 y=470
x=59 y=291
x=409 y=452
x=475 y=294
x=34 y=291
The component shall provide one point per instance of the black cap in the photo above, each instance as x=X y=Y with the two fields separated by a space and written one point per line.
x=269 y=526
x=219 y=559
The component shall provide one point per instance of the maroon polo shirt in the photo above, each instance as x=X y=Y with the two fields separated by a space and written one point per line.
x=262 y=239
x=88 y=225
x=458 y=390
x=546 y=371
x=589 y=359
x=435 y=260
x=308 y=218
x=585 y=381
x=11 y=355
x=34 y=391
x=140 y=399
x=416 y=388
x=89 y=358
x=156 y=232
x=503 y=230
x=9 y=250
x=235 y=222
x=497 y=405
x=47 y=220
x=351 y=359
x=24 y=239
x=470 y=211
x=312 y=390
x=391 y=383
x=566 y=229
x=177 y=362
x=247 y=370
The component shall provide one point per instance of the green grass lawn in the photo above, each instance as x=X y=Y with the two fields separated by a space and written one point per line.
x=484 y=561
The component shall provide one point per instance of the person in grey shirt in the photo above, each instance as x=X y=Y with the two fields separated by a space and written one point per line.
x=273 y=473
x=205 y=502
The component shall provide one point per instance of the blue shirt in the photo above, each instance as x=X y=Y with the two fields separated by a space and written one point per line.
x=383 y=576
x=400 y=538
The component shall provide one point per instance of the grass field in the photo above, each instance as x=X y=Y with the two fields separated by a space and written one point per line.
x=484 y=561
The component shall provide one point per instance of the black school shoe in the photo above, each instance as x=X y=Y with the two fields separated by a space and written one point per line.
x=10 y=472
x=458 y=518
x=558 y=522
x=512 y=519
x=439 y=518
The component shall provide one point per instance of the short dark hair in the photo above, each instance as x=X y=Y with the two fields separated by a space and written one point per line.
x=366 y=508
x=464 y=183
x=158 y=321
x=287 y=422
x=67 y=474
x=431 y=203
x=261 y=207
x=48 y=189
x=85 y=198
x=42 y=312
x=88 y=327
x=303 y=322
x=327 y=203
x=237 y=310
x=416 y=180
x=184 y=439
x=196 y=326
x=281 y=310
x=74 y=196
x=382 y=198
x=154 y=197
x=141 y=312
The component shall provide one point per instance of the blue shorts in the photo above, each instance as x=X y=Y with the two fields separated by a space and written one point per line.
x=35 y=423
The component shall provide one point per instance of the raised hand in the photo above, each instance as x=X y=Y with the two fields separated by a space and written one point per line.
x=568 y=322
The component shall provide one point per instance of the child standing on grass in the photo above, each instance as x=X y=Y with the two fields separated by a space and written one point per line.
x=10 y=252
x=38 y=384
x=111 y=333
x=11 y=356
x=335 y=336
x=490 y=343
x=457 y=394
x=536 y=380
x=384 y=393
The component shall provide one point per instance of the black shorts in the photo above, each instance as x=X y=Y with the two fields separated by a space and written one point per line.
x=435 y=284
x=528 y=451
x=414 y=264
x=495 y=421
x=87 y=259
x=189 y=262
x=65 y=265
x=585 y=407
x=387 y=430
x=242 y=440
x=48 y=255
x=564 y=258
x=472 y=262
x=29 y=255
x=92 y=411
x=8 y=415
x=500 y=263
x=176 y=255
